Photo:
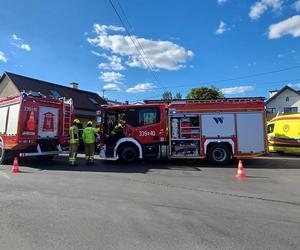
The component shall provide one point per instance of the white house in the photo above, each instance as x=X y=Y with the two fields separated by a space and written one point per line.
x=284 y=101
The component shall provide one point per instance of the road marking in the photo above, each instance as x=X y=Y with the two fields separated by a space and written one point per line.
x=5 y=175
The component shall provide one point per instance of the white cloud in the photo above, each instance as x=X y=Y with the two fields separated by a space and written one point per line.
x=15 y=37
x=290 y=26
x=25 y=47
x=236 y=90
x=2 y=57
x=98 y=54
x=222 y=1
x=296 y=5
x=160 y=54
x=114 y=62
x=114 y=77
x=280 y=56
x=260 y=7
x=221 y=29
x=294 y=85
x=102 y=29
x=141 y=87
x=112 y=86
x=19 y=43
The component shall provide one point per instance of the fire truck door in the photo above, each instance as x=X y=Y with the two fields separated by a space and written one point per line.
x=144 y=125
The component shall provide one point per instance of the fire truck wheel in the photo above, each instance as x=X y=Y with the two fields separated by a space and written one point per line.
x=2 y=152
x=128 y=153
x=219 y=154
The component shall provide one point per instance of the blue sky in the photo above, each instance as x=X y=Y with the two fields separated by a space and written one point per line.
x=186 y=43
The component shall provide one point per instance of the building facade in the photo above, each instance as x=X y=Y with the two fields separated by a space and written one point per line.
x=284 y=101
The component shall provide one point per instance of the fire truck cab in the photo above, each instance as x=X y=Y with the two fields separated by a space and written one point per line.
x=34 y=125
x=215 y=129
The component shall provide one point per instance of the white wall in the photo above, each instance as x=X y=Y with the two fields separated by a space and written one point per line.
x=279 y=103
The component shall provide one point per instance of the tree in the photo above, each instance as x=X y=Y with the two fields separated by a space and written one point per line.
x=178 y=96
x=205 y=93
x=167 y=95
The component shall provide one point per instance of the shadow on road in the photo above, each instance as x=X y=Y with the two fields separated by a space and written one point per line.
x=61 y=164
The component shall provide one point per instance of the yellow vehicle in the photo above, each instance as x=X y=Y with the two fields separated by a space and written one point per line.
x=284 y=133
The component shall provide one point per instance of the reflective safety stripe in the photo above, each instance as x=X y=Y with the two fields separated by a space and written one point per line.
x=74 y=135
x=118 y=127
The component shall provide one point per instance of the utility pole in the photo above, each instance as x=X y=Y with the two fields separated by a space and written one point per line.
x=103 y=90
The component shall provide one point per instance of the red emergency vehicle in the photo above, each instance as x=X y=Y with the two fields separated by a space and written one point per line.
x=34 y=125
x=186 y=129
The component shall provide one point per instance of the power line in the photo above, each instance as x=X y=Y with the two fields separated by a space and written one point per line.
x=238 y=78
x=142 y=54
x=269 y=83
x=138 y=42
x=277 y=82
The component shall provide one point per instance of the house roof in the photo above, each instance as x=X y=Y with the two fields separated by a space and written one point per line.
x=282 y=90
x=82 y=99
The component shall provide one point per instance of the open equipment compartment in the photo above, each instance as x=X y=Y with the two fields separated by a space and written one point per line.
x=185 y=135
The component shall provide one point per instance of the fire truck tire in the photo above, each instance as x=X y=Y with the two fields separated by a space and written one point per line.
x=128 y=153
x=219 y=154
x=2 y=151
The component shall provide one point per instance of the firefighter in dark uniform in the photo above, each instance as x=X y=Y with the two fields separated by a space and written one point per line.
x=89 y=137
x=74 y=142
x=118 y=130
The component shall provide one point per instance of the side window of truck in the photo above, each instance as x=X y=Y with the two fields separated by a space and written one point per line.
x=133 y=117
x=149 y=116
x=143 y=116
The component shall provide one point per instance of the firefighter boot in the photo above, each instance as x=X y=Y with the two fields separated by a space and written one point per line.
x=92 y=160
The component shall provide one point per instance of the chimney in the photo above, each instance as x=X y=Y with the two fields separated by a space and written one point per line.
x=272 y=93
x=73 y=85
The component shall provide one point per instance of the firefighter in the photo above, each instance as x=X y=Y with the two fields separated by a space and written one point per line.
x=118 y=130
x=89 y=137
x=74 y=142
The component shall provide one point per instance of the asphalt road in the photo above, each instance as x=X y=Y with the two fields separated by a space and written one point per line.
x=151 y=205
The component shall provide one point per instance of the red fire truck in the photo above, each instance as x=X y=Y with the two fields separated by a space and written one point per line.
x=186 y=129
x=34 y=125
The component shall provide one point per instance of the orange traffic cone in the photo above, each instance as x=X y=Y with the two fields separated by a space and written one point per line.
x=240 y=172
x=15 y=168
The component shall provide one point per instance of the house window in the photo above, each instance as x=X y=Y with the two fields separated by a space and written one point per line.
x=287 y=99
x=92 y=100
x=271 y=110
x=291 y=110
x=54 y=93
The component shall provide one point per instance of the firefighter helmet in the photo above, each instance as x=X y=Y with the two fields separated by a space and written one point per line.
x=90 y=123
x=77 y=121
